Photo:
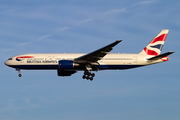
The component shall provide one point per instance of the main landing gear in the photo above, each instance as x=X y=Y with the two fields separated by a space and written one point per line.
x=19 y=71
x=88 y=75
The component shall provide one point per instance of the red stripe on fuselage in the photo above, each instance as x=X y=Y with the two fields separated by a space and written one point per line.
x=25 y=57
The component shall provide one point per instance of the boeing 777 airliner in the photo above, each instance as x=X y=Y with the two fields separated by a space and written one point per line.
x=101 y=59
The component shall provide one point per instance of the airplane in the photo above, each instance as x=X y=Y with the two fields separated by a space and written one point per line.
x=101 y=59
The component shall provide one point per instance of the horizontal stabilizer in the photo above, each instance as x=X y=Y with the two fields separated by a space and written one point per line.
x=160 y=56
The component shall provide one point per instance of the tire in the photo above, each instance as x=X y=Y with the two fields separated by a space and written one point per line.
x=92 y=74
x=91 y=78
x=19 y=75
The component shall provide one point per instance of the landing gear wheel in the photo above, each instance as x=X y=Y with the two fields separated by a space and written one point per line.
x=91 y=78
x=19 y=71
x=87 y=77
x=19 y=75
x=83 y=76
x=92 y=74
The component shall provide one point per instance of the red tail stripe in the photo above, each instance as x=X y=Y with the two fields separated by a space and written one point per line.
x=150 y=52
x=160 y=38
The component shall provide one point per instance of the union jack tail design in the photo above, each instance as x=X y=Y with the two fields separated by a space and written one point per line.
x=155 y=46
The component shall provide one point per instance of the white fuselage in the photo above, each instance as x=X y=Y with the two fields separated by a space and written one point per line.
x=50 y=61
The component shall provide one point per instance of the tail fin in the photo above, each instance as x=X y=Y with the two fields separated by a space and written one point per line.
x=155 y=46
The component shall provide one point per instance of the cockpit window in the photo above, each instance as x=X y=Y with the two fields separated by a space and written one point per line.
x=10 y=59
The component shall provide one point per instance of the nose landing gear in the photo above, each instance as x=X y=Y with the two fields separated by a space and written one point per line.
x=19 y=71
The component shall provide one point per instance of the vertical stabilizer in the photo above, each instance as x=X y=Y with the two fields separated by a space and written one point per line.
x=155 y=46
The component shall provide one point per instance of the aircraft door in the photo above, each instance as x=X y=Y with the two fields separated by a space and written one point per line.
x=49 y=58
x=135 y=59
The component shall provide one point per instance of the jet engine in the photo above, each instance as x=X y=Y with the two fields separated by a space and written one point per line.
x=65 y=68
x=66 y=64
x=65 y=72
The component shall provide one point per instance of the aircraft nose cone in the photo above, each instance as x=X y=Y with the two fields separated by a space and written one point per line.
x=6 y=63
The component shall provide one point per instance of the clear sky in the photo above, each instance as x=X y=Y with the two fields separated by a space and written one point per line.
x=78 y=26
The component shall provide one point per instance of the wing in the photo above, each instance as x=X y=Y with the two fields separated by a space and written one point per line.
x=96 y=55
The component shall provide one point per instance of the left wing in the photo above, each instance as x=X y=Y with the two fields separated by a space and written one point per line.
x=96 y=55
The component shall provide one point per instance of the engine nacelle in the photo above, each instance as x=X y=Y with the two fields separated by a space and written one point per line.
x=65 y=68
x=65 y=64
x=65 y=73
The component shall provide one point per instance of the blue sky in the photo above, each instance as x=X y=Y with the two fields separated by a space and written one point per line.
x=45 y=26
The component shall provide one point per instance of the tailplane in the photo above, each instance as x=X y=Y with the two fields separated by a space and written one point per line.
x=155 y=46
x=162 y=56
